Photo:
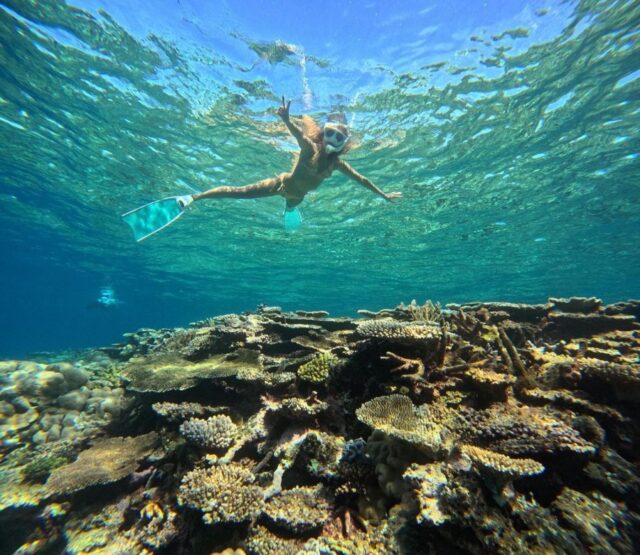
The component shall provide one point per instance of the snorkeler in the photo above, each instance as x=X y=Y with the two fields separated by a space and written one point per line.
x=320 y=149
x=319 y=157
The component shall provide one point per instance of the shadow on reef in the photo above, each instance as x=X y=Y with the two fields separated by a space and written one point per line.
x=478 y=428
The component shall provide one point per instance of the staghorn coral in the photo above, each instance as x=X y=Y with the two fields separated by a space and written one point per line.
x=318 y=369
x=387 y=328
x=222 y=493
x=499 y=464
x=428 y=312
x=299 y=510
x=108 y=460
x=216 y=433
x=396 y=416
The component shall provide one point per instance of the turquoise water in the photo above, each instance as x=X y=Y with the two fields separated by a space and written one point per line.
x=511 y=129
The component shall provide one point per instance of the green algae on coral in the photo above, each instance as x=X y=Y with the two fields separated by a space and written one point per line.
x=39 y=469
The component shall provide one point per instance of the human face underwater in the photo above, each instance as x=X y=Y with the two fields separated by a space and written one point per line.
x=334 y=137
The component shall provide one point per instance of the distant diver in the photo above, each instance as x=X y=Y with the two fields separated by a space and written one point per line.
x=320 y=148
x=107 y=299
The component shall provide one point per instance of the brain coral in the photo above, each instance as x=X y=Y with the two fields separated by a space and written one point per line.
x=223 y=493
x=108 y=460
x=396 y=416
x=215 y=433
x=317 y=370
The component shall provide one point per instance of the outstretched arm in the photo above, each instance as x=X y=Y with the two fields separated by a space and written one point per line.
x=353 y=174
x=305 y=144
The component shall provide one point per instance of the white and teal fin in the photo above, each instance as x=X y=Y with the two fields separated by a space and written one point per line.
x=292 y=218
x=151 y=218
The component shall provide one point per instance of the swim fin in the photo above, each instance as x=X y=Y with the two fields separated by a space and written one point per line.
x=292 y=219
x=154 y=216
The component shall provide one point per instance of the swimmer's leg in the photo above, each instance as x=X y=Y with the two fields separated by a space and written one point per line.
x=265 y=188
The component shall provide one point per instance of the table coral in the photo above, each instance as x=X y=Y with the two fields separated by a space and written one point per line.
x=174 y=374
x=396 y=416
x=387 y=328
x=497 y=463
x=107 y=461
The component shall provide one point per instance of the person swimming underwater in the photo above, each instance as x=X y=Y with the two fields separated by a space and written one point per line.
x=319 y=157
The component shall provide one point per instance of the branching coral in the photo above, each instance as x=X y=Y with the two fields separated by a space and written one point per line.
x=223 y=493
x=318 y=369
x=215 y=433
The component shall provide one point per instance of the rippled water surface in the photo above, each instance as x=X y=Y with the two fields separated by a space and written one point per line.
x=511 y=129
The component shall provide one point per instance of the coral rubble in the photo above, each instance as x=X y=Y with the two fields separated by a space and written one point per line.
x=475 y=428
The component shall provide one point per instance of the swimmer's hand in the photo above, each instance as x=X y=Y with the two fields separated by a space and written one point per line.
x=184 y=201
x=392 y=196
x=283 y=111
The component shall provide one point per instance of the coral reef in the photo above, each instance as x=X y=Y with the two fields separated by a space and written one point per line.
x=475 y=428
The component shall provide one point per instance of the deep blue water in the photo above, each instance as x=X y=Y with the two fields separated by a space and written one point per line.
x=510 y=128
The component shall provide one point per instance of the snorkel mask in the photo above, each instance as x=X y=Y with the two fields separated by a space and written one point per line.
x=335 y=137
